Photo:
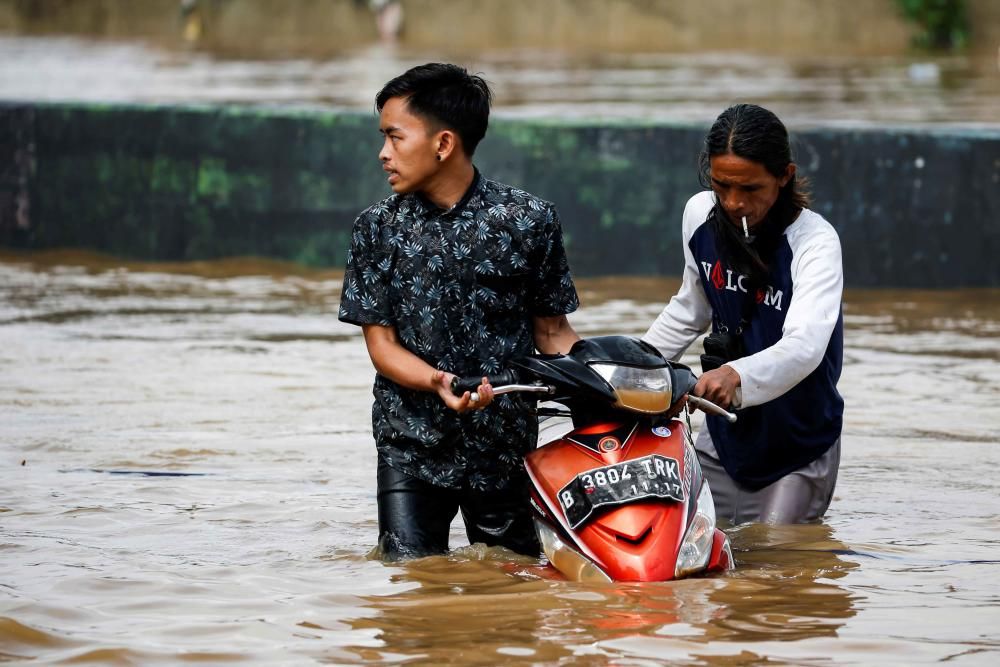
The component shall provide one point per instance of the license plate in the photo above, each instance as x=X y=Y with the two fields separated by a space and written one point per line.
x=653 y=476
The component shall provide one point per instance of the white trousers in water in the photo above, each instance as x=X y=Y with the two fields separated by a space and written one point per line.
x=801 y=496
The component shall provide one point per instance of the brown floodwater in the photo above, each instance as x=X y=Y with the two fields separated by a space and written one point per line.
x=189 y=479
x=827 y=89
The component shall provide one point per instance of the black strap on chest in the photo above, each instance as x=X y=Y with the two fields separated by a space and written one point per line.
x=746 y=313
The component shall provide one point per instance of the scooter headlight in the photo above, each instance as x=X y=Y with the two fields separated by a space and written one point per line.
x=573 y=564
x=646 y=390
x=697 y=546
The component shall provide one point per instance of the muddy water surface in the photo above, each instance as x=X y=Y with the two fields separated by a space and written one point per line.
x=824 y=89
x=188 y=478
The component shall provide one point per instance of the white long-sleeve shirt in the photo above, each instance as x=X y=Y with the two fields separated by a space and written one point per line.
x=790 y=409
x=818 y=283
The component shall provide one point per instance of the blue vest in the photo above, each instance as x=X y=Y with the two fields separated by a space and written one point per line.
x=771 y=440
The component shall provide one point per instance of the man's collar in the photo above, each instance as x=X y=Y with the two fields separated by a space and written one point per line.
x=430 y=207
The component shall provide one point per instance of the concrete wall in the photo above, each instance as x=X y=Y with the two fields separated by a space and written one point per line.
x=914 y=208
x=446 y=26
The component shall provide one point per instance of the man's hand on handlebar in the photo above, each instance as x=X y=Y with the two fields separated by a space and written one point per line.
x=464 y=403
x=718 y=386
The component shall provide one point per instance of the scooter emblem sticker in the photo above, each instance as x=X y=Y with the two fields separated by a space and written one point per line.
x=662 y=431
x=609 y=444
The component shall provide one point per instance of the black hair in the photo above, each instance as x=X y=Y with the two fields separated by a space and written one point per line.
x=756 y=134
x=445 y=95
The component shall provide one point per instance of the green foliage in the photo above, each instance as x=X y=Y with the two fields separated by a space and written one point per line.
x=944 y=24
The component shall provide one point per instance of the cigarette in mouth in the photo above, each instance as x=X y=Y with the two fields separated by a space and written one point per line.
x=746 y=230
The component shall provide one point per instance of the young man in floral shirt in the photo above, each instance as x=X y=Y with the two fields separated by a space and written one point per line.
x=453 y=275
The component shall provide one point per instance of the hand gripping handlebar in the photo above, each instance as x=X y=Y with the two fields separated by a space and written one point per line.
x=503 y=383
x=506 y=382
x=708 y=406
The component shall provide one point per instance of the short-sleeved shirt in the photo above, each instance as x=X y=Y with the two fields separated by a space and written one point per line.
x=461 y=288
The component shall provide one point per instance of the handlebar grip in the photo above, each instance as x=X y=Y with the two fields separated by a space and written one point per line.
x=461 y=385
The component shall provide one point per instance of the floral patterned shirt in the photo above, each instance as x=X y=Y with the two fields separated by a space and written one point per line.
x=460 y=287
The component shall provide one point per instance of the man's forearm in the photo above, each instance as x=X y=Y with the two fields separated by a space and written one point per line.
x=406 y=369
x=395 y=362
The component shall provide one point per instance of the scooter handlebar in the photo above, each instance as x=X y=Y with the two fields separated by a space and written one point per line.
x=461 y=385
x=507 y=382
x=684 y=383
x=708 y=406
x=503 y=383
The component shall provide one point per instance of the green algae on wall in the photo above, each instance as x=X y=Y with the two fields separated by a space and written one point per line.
x=914 y=208
x=620 y=189
x=185 y=184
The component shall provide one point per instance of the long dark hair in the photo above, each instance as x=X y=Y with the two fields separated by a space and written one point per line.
x=756 y=134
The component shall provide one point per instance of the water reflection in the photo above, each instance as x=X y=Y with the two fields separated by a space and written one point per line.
x=499 y=606
x=236 y=378
x=471 y=607
x=790 y=573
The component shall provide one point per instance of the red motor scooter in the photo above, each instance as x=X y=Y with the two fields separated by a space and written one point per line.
x=621 y=496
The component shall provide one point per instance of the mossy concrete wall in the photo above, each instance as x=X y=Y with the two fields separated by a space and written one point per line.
x=914 y=208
